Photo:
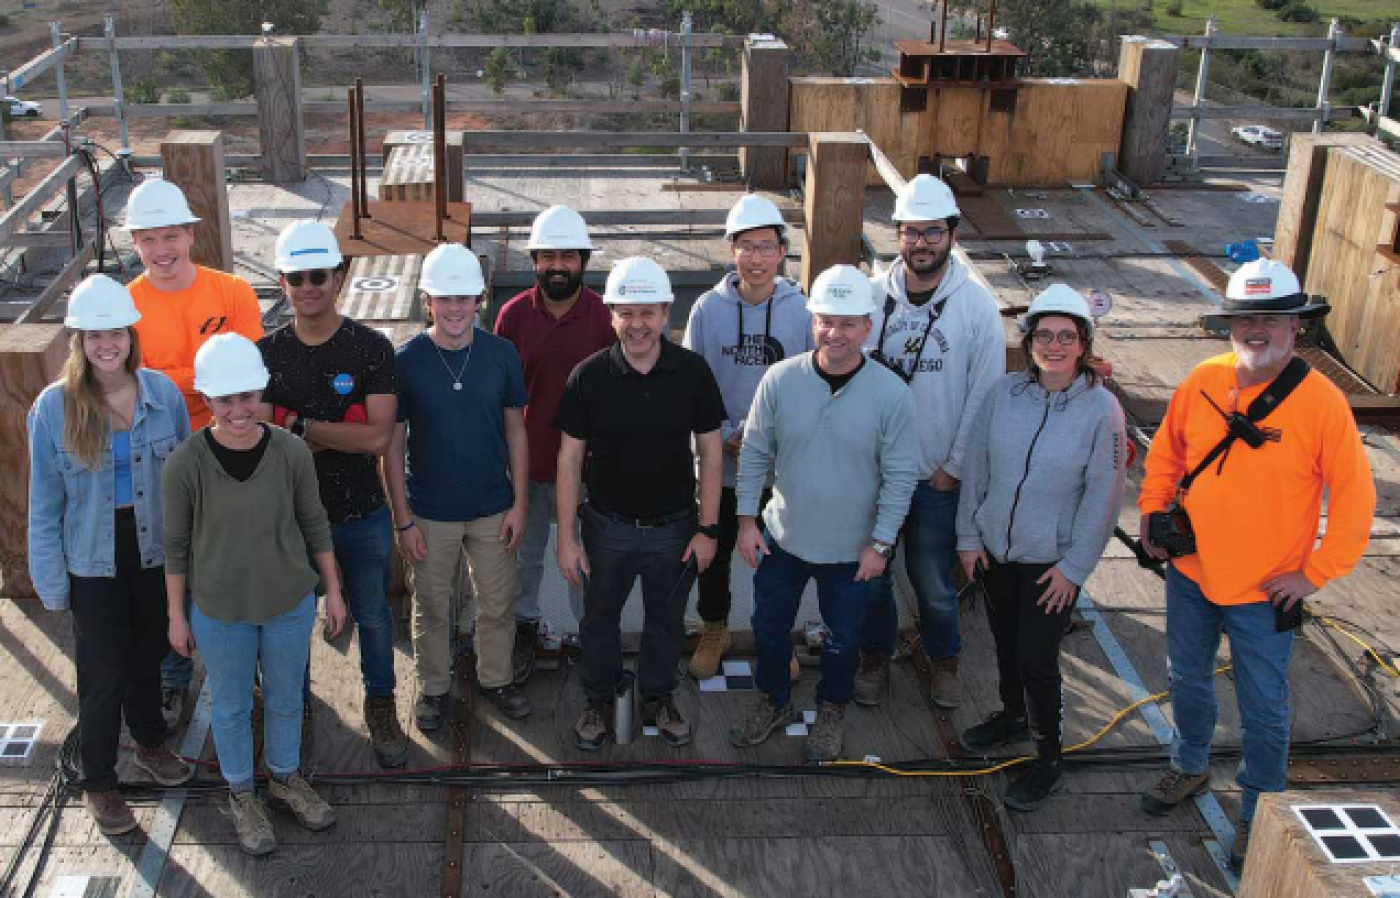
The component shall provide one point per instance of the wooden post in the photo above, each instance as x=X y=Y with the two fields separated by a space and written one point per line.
x=1149 y=68
x=281 y=130
x=1285 y=860
x=835 y=202
x=30 y=358
x=1302 y=190
x=194 y=162
x=763 y=97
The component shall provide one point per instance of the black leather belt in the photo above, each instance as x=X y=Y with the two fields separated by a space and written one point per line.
x=645 y=523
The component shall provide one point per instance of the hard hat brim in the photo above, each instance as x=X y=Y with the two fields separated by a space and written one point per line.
x=132 y=229
x=1220 y=320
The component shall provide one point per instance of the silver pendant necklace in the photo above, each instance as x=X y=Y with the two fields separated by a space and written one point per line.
x=456 y=378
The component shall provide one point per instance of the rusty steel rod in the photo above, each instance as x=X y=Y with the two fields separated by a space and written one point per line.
x=943 y=26
x=991 y=23
x=439 y=156
x=355 y=210
x=360 y=138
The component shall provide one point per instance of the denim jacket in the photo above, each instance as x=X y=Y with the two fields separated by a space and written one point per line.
x=72 y=515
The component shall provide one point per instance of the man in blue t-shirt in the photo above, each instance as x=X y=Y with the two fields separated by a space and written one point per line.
x=457 y=470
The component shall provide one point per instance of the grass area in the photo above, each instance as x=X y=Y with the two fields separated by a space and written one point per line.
x=1247 y=17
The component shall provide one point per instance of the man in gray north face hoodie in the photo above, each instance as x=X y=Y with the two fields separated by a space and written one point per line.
x=748 y=322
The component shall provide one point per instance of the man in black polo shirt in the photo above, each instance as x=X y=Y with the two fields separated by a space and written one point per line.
x=631 y=410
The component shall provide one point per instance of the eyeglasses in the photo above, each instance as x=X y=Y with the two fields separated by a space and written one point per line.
x=930 y=235
x=762 y=250
x=1064 y=338
x=317 y=278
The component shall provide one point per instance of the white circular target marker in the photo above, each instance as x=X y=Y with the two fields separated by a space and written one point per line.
x=1100 y=303
x=418 y=137
x=375 y=283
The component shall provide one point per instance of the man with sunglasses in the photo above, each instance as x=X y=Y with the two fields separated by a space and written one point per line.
x=332 y=384
x=941 y=332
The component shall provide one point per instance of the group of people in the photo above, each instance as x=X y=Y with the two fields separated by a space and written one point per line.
x=816 y=435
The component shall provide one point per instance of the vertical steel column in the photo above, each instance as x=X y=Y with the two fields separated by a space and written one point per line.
x=360 y=142
x=1200 y=89
x=118 y=95
x=942 y=25
x=355 y=210
x=1388 y=80
x=686 y=22
x=423 y=69
x=1334 y=31
x=57 y=38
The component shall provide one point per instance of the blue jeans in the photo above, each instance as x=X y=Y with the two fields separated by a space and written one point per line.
x=364 y=550
x=233 y=654
x=845 y=604
x=1260 y=656
x=176 y=670
x=929 y=542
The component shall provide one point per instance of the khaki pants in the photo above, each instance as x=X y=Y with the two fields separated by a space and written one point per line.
x=492 y=571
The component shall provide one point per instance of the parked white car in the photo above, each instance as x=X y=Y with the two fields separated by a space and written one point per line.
x=18 y=108
x=1259 y=136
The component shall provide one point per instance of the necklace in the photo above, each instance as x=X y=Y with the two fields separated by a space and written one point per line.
x=456 y=378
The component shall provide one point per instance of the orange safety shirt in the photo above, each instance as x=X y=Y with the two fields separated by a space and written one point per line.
x=174 y=324
x=1257 y=517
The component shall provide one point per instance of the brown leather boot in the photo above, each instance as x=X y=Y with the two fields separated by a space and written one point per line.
x=110 y=812
x=945 y=690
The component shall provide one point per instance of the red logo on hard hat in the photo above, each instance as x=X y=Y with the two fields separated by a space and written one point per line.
x=1258 y=286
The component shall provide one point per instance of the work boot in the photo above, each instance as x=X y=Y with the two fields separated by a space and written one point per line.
x=386 y=737
x=1031 y=789
x=871 y=676
x=430 y=711
x=709 y=651
x=527 y=637
x=591 y=731
x=1000 y=728
x=759 y=722
x=250 y=821
x=163 y=765
x=945 y=690
x=1172 y=789
x=297 y=796
x=825 y=738
x=668 y=720
x=1241 y=846
x=172 y=705
x=509 y=700
x=110 y=812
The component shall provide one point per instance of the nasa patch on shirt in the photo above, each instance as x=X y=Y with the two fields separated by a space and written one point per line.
x=343 y=384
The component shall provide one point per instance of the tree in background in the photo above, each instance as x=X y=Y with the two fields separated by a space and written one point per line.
x=500 y=68
x=232 y=70
x=830 y=36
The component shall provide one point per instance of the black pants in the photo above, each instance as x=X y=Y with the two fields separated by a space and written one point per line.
x=715 y=598
x=1028 y=650
x=120 y=634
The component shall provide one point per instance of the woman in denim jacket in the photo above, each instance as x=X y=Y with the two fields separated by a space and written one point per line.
x=98 y=441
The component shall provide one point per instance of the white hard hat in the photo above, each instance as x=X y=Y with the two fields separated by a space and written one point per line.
x=306 y=246
x=1264 y=287
x=100 y=303
x=925 y=198
x=753 y=211
x=637 y=280
x=559 y=227
x=1059 y=299
x=157 y=203
x=841 y=290
x=452 y=270
x=227 y=364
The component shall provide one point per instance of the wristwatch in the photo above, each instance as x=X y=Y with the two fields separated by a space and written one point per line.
x=710 y=530
x=299 y=427
x=884 y=550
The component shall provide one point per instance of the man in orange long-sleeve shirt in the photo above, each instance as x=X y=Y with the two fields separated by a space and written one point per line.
x=1255 y=515
x=182 y=305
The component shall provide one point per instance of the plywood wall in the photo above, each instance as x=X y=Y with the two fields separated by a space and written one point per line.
x=855 y=104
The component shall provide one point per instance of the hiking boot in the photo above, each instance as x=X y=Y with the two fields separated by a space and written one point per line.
x=110 y=812
x=522 y=656
x=945 y=690
x=1000 y=728
x=591 y=731
x=386 y=737
x=509 y=700
x=297 y=796
x=668 y=720
x=1237 y=851
x=1030 y=790
x=250 y=821
x=163 y=765
x=172 y=705
x=759 y=722
x=825 y=738
x=871 y=676
x=430 y=711
x=1172 y=789
x=709 y=651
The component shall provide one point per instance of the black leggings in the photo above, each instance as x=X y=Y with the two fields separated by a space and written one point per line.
x=1028 y=650
x=715 y=599
x=120 y=636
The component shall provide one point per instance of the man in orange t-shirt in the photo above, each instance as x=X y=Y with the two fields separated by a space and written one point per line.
x=1255 y=514
x=181 y=305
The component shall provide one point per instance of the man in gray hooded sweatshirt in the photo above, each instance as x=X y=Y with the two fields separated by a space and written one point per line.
x=941 y=332
x=748 y=322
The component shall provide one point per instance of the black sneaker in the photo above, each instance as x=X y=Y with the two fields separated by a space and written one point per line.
x=996 y=730
x=1030 y=790
x=527 y=636
x=430 y=711
x=509 y=700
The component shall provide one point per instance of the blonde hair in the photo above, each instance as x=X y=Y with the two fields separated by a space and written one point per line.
x=85 y=427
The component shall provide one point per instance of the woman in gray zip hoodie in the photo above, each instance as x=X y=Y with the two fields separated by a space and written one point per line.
x=1042 y=487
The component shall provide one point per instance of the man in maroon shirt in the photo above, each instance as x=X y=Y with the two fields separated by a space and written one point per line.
x=554 y=325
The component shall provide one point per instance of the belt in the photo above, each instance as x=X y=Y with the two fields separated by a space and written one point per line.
x=645 y=523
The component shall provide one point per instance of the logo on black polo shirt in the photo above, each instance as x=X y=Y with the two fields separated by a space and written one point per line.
x=343 y=383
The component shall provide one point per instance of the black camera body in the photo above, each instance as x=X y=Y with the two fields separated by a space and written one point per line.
x=1172 y=532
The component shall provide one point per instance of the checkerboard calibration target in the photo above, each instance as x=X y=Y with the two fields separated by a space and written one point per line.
x=17 y=740
x=1352 y=834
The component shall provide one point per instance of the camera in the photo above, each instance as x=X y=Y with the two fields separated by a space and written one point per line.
x=1172 y=532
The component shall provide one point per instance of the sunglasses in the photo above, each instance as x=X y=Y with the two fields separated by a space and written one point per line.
x=317 y=278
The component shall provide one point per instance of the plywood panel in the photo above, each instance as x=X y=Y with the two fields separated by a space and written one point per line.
x=194 y=161
x=1059 y=131
x=953 y=121
x=382 y=290
x=408 y=175
x=1302 y=186
x=850 y=104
